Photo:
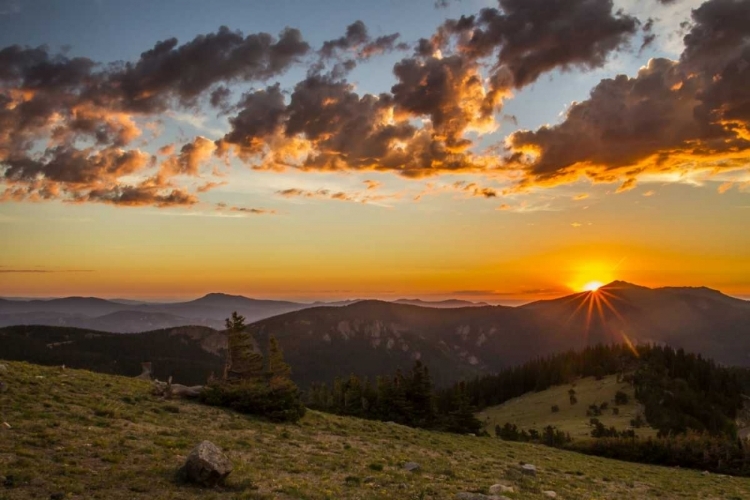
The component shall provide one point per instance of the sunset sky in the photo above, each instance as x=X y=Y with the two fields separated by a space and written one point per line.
x=501 y=151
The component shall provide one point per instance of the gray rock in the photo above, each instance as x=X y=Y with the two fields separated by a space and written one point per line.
x=528 y=469
x=466 y=495
x=501 y=488
x=206 y=466
x=549 y=494
x=411 y=466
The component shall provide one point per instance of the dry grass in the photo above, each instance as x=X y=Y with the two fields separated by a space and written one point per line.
x=86 y=435
x=534 y=411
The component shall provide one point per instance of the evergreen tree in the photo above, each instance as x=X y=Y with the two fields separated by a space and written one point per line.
x=277 y=367
x=243 y=359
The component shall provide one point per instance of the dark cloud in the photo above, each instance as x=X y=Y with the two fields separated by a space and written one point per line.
x=186 y=71
x=674 y=116
x=136 y=196
x=223 y=207
x=358 y=43
x=531 y=37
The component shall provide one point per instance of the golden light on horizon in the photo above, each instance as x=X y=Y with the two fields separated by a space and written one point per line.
x=592 y=286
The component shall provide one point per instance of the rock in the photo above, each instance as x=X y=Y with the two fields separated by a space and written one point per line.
x=411 y=466
x=3 y=368
x=706 y=473
x=7 y=425
x=466 y=495
x=206 y=465
x=528 y=469
x=501 y=488
x=549 y=494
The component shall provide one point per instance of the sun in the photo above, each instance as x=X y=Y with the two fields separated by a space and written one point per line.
x=592 y=286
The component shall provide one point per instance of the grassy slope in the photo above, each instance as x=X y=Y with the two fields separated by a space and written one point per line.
x=97 y=436
x=534 y=410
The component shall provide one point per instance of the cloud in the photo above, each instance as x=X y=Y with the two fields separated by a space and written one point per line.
x=672 y=118
x=223 y=207
x=365 y=197
x=44 y=271
x=581 y=196
x=185 y=72
x=358 y=43
x=66 y=123
x=532 y=37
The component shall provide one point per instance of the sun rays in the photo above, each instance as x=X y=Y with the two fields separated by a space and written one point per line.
x=595 y=302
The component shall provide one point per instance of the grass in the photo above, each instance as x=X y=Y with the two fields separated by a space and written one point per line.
x=534 y=410
x=76 y=434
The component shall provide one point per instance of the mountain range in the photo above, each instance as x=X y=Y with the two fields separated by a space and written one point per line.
x=372 y=337
x=128 y=316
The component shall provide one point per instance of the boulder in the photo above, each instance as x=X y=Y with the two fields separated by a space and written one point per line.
x=501 y=488
x=549 y=494
x=411 y=466
x=528 y=469
x=206 y=466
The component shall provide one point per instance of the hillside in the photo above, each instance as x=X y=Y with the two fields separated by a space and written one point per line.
x=533 y=410
x=76 y=435
x=189 y=354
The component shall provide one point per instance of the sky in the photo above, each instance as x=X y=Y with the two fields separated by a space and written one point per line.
x=499 y=151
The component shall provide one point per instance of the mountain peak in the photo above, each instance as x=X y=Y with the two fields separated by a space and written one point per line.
x=619 y=284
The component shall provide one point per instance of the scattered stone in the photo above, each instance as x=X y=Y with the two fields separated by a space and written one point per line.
x=549 y=494
x=501 y=488
x=3 y=368
x=706 y=473
x=7 y=425
x=411 y=466
x=528 y=469
x=466 y=495
x=206 y=466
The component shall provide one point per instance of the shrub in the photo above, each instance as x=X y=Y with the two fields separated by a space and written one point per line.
x=555 y=408
x=278 y=401
x=621 y=398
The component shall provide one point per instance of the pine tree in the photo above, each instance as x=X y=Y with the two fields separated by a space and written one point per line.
x=277 y=367
x=243 y=359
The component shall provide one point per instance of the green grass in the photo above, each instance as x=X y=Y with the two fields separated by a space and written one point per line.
x=87 y=435
x=534 y=410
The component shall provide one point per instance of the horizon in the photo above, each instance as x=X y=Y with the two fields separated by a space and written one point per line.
x=365 y=150
x=392 y=297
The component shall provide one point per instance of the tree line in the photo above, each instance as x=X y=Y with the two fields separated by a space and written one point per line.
x=404 y=398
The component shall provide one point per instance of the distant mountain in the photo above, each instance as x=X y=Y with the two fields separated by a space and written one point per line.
x=124 y=316
x=441 y=304
x=130 y=316
x=696 y=319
